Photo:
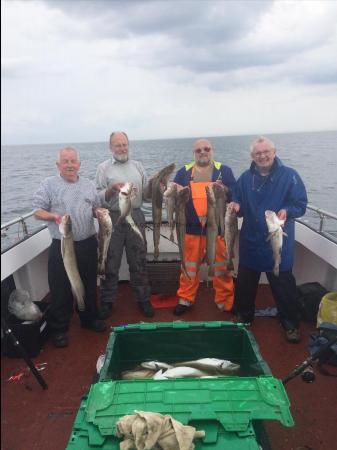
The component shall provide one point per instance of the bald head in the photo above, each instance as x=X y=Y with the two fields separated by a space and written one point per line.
x=203 y=152
x=68 y=164
x=68 y=150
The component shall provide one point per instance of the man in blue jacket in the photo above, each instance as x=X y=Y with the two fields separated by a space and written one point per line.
x=268 y=185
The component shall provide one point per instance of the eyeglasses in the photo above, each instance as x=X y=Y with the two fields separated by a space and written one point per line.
x=263 y=153
x=205 y=149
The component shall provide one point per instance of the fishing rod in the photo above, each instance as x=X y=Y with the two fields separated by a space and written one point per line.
x=162 y=235
x=8 y=332
x=307 y=362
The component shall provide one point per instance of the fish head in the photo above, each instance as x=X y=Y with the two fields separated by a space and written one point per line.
x=273 y=222
x=126 y=191
x=230 y=211
x=210 y=195
x=219 y=190
x=171 y=190
x=184 y=195
x=65 y=225
x=101 y=213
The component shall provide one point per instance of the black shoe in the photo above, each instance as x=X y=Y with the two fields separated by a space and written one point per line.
x=60 y=340
x=104 y=311
x=241 y=319
x=180 y=309
x=293 y=336
x=146 y=309
x=95 y=325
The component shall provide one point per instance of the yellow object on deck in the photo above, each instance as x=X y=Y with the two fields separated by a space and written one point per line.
x=327 y=311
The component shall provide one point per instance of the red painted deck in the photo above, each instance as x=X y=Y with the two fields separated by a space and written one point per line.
x=36 y=419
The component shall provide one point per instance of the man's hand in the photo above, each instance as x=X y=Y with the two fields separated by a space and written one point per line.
x=112 y=190
x=116 y=187
x=234 y=206
x=282 y=214
x=56 y=218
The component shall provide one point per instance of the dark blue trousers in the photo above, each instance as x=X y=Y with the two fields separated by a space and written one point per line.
x=62 y=300
x=283 y=289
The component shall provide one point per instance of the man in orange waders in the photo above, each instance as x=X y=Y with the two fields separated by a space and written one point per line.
x=202 y=172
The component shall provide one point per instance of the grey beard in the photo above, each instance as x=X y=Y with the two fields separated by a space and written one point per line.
x=121 y=158
x=203 y=163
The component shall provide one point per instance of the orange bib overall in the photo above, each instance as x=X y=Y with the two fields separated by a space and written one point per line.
x=195 y=249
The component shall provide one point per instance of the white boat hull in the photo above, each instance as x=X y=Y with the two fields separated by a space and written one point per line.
x=315 y=260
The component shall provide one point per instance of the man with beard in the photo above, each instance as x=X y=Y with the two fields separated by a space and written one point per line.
x=198 y=175
x=111 y=176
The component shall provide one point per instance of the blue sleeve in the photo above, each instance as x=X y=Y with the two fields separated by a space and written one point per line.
x=297 y=200
x=228 y=180
x=180 y=177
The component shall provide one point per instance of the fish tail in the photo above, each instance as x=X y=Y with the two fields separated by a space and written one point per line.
x=230 y=265
x=276 y=271
x=211 y=270
x=79 y=296
x=134 y=226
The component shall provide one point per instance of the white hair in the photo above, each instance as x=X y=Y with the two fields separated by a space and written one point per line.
x=68 y=149
x=262 y=139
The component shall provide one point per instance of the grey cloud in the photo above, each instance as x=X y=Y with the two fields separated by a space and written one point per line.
x=201 y=37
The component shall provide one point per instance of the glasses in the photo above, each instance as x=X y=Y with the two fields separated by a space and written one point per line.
x=203 y=149
x=264 y=153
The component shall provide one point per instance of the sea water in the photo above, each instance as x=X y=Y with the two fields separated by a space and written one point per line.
x=313 y=155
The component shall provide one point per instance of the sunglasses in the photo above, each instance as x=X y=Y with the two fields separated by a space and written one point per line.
x=205 y=149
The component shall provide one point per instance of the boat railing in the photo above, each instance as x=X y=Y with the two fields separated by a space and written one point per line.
x=319 y=220
x=18 y=230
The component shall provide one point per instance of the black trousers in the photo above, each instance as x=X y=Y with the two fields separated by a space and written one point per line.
x=124 y=237
x=62 y=300
x=283 y=289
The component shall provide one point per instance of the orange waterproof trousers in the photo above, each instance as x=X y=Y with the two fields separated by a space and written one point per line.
x=195 y=249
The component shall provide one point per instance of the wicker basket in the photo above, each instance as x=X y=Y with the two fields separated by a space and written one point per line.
x=164 y=276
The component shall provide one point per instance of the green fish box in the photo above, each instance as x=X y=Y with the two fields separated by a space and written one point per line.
x=230 y=409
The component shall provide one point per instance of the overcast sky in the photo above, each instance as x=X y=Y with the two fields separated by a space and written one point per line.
x=73 y=70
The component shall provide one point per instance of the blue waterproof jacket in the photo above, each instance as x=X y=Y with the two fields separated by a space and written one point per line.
x=184 y=176
x=281 y=189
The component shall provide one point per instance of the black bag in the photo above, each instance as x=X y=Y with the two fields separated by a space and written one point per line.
x=309 y=296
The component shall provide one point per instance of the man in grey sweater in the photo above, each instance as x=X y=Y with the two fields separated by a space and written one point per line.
x=111 y=176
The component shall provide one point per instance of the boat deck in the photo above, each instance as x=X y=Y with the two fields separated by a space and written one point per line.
x=37 y=419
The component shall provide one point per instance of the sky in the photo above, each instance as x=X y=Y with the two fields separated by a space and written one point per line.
x=74 y=70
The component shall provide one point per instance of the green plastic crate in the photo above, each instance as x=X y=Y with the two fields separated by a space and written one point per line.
x=225 y=408
x=229 y=409
x=181 y=341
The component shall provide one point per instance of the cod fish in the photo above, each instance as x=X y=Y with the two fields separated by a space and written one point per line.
x=124 y=200
x=170 y=196
x=182 y=198
x=138 y=373
x=276 y=238
x=159 y=186
x=155 y=365
x=231 y=230
x=211 y=230
x=211 y=366
x=181 y=372
x=104 y=236
x=70 y=262
x=220 y=192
